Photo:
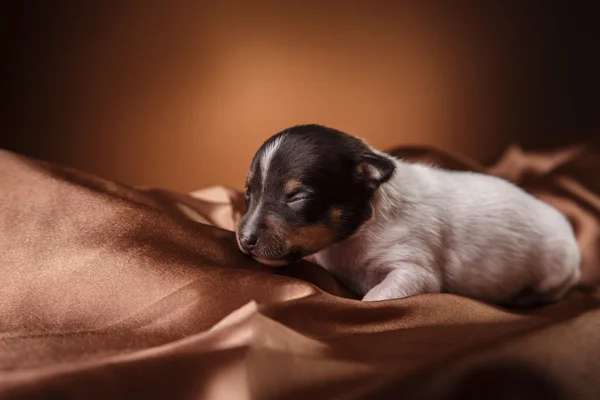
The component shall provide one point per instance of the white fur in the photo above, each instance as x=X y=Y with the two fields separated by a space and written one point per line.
x=264 y=163
x=267 y=157
x=466 y=233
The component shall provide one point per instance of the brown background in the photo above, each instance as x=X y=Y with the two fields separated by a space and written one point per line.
x=181 y=94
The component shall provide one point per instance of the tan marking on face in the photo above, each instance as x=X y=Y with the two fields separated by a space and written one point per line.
x=291 y=186
x=277 y=225
x=335 y=216
x=309 y=238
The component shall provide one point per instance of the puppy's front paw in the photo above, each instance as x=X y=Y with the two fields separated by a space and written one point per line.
x=377 y=295
x=405 y=282
x=384 y=291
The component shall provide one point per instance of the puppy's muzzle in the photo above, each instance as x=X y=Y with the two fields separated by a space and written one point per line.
x=248 y=241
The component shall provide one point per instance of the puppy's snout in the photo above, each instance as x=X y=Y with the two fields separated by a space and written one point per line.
x=248 y=241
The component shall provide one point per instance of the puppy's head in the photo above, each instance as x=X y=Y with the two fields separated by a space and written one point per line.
x=308 y=187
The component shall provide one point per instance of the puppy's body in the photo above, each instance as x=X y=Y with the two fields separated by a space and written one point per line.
x=466 y=233
x=392 y=229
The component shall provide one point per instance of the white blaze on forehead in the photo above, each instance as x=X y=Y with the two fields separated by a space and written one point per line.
x=264 y=163
x=267 y=157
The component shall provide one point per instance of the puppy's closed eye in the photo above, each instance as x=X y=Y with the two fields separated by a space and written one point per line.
x=298 y=199
x=298 y=195
x=295 y=192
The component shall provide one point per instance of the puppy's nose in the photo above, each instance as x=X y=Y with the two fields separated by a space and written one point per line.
x=248 y=241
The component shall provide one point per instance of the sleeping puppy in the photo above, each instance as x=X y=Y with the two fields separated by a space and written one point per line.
x=391 y=229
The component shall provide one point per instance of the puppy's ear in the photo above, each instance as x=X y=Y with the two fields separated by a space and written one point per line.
x=374 y=169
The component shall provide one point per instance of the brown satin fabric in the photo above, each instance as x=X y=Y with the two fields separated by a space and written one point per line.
x=113 y=292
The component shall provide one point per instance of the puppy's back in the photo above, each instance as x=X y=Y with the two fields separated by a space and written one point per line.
x=502 y=238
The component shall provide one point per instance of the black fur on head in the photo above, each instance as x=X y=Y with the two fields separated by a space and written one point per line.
x=308 y=187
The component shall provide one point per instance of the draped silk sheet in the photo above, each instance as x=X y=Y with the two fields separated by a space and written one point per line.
x=109 y=291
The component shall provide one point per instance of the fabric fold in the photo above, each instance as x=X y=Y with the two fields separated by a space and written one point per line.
x=111 y=291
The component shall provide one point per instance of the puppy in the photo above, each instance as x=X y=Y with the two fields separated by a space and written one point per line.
x=391 y=229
